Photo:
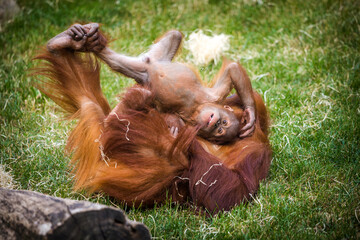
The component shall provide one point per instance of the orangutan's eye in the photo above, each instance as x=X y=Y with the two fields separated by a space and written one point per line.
x=225 y=122
x=217 y=123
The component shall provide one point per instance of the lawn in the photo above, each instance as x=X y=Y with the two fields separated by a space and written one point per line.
x=302 y=56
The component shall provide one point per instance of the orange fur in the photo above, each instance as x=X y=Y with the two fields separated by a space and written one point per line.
x=137 y=166
x=74 y=84
x=130 y=154
x=244 y=164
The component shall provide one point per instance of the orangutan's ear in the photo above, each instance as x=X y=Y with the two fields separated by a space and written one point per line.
x=228 y=108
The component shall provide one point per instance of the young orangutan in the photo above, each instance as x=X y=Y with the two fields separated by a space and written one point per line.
x=177 y=88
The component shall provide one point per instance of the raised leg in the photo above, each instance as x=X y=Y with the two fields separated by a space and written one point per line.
x=233 y=75
x=166 y=47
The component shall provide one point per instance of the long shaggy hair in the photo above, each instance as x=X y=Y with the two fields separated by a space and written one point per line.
x=130 y=154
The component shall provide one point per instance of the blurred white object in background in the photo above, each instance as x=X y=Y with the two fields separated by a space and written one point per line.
x=206 y=48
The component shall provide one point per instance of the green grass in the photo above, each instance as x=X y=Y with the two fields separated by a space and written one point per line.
x=302 y=56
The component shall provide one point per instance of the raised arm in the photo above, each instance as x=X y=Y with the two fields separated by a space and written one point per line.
x=233 y=75
x=136 y=67
x=132 y=67
x=87 y=38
